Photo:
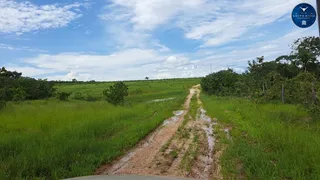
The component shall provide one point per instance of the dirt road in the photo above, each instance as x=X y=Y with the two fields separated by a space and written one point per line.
x=183 y=146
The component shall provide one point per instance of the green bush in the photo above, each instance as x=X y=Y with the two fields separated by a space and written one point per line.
x=89 y=97
x=79 y=96
x=15 y=87
x=220 y=83
x=63 y=96
x=19 y=94
x=116 y=93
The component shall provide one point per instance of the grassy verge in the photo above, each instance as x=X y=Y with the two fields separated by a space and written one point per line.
x=269 y=141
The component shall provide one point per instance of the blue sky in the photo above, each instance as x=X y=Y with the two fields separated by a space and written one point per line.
x=131 y=39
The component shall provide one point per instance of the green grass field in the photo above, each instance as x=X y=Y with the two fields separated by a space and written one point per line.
x=269 y=141
x=49 y=139
x=139 y=91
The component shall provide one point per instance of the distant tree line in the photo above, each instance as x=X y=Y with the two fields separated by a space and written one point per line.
x=292 y=78
x=15 y=87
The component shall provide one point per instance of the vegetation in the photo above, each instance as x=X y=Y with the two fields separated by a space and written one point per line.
x=273 y=110
x=50 y=139
x=63 y=96
x=2 y=104
x=14 y=87
x=291 y=78
x=116 y=93
x=269 y=141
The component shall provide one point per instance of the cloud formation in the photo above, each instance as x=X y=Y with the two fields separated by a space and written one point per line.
x=228 y=34
x=22 y=17
x=213 y=22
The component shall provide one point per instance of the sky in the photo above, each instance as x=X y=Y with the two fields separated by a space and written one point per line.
x=107 y=40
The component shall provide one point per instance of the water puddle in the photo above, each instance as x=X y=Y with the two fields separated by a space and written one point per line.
x=123 y=161
x=211 y=139
x=173 y=119
x=203 y=115
x=162 y=100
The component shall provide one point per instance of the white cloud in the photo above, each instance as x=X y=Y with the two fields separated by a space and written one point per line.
x=29 y=71
x=130 y=25
x=237 y=19
x=124 y=65
x=148 y=14
x=130 y=64
x=12 y=48
x=237 y=57
x=21 y=17
x=214 y=22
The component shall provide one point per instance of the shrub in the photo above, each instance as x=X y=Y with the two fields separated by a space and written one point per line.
x=63 y=96
x=19 y=94
x=220 y=83
x=15 y=87
x=116 y=93
x=89 y=97
x=79 y=96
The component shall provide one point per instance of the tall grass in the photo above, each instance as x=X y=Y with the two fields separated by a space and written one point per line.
x=269 y=141
x=49 y=139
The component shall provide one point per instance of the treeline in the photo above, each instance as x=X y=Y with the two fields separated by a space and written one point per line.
x=15 y=87
x=292 y=78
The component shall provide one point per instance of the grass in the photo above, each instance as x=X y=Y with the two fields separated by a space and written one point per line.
x=194 y=107
x=269 y=141
x=190 y=155
x=139 y=91
x=49 y=139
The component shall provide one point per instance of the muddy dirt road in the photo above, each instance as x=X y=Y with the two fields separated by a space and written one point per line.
x=183 y=146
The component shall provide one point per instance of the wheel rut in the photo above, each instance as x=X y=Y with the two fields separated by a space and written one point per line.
x=183 y=146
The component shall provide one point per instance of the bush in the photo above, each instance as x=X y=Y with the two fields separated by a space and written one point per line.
x=63 y=96
x=15 y=87
x=89 y=97
x=79 y=96
x=116 y=93
x=220 y=83
x=19 y=94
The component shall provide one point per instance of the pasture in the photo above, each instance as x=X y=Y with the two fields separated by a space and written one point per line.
x=51 y=139
x=269 y=141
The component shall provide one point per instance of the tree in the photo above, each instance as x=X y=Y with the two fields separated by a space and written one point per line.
x=147 y=78
x=115 y=94
x=304 y=55
x=74 y=80
x=9 y=74
x=220 y=83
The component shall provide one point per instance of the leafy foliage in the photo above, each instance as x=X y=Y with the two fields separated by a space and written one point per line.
x=63 y=96
x=116 y=93
x=220 y=83
x=292 y=78
x=14 y=87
